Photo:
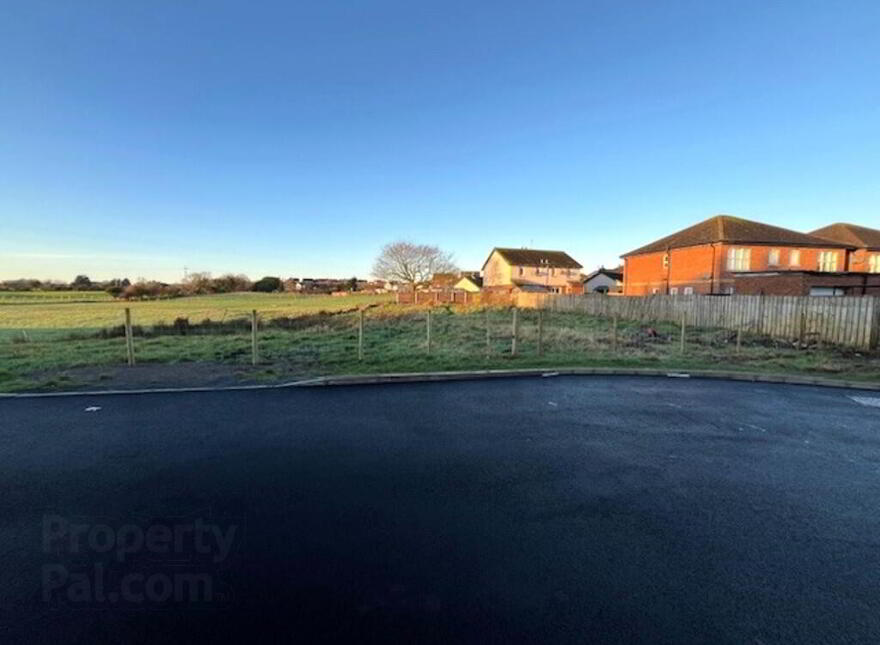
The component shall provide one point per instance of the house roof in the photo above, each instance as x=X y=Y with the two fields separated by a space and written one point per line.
x=850 y=234
x=732 y=230
x=614 y=274
x=475 y=279
x=536 y=258
x=444 y=278
x=524 y=285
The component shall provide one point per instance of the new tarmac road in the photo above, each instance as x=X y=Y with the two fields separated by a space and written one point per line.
x=568 y=509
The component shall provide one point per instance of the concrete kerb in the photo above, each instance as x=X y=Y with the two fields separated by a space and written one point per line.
x=425 y=377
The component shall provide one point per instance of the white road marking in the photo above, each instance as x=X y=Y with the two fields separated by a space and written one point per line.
x=872 y=401
x=93 y=408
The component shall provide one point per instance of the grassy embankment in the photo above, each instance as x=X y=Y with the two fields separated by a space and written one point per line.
x=61 y=341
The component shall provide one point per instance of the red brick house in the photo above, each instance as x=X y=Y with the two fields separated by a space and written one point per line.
x=707 y=257
x=865 y=255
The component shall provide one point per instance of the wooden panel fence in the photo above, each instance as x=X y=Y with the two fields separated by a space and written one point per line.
x=459 y=297
x=849 y=321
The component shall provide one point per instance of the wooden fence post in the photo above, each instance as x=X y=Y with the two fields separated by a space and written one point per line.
x=254 y=356
x=513 y=335
x=540 y=332
x=360 y=334
x=428 y=332
x=802 y=330
x=614 y=333
x=683 y=330
x=129 y=339
x=488 y=335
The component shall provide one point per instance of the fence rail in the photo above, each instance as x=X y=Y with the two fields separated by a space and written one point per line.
x=848 y=321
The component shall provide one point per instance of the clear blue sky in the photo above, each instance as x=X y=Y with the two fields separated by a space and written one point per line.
x=295 y=138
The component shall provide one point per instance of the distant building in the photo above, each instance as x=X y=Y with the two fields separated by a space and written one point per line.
x=532 y=270
x=470 y=281
x=444 y=280
x=604 y=280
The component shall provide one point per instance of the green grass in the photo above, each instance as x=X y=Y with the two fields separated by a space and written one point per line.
x=395 y=342
x=53 y=317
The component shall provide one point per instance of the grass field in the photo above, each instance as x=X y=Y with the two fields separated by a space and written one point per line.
x=395 y=341
x=48 y=297
x=48 y=316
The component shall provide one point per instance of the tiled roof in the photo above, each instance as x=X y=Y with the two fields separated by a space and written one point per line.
x=475 y=279
x=851 y=235
x=614 y=274
x=537 y=258
x=439 y=279
x=732 y=230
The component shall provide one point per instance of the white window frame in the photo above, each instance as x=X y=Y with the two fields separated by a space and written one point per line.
x=665 y=260
x=673 y=291
x=739 y=258
x=828 y=261
x=688 y=291
x=773 y=257
x=794 y=258
x=655 y=291
x=874 y=263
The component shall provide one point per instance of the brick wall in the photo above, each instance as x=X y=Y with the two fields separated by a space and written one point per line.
x=799 y=283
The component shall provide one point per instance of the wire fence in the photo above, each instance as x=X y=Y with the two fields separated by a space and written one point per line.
x=444 y=335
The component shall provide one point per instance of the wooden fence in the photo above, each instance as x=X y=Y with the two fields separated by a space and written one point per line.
x=850 y=321
x=459 y=297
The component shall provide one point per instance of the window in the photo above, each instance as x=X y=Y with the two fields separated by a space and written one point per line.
x=665 y=260
x=552 y=271
x=827 y=261
x=773 y=258
x=874 y=263
x=738 y=259
x=655 y=291
x=520 y=270
x=826 y=291
x=794 y=258
x=688 y=291
x=673 y=291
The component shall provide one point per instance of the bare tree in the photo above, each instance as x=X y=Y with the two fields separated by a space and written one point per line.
x=411 y=263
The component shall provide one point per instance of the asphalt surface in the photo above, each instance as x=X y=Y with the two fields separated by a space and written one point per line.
x=524 y=510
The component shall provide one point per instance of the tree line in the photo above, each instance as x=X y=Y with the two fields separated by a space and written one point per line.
x=402 y=262
x=194 y=284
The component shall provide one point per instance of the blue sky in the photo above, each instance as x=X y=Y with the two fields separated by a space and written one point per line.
x=296 y=138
